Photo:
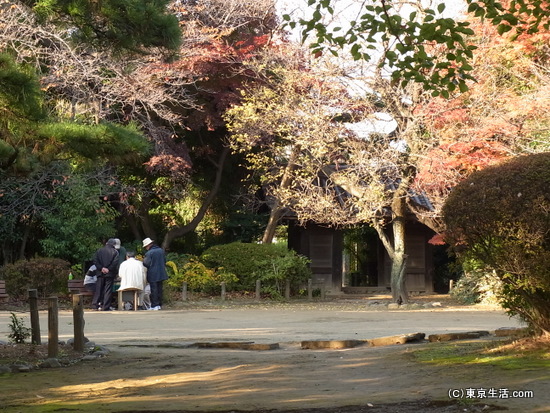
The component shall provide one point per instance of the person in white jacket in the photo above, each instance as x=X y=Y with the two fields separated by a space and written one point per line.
x=133 y=274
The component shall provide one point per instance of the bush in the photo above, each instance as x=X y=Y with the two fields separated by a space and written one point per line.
x=198 y=277
x=19 y=332
x=270 y=263
x=47 y=275
x=476 y=285
x=500 y=217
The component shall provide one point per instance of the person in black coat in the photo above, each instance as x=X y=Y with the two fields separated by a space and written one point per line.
x=155 y=262
x=106 y=262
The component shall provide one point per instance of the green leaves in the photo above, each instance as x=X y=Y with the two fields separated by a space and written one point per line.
x=410 y=45
x=499 y=216
x=20 y=93
x=106 y=141
x=120 y=25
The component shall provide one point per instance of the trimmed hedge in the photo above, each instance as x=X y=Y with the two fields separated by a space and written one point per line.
x=500 y=216
x=47 y=275
x=271 y=263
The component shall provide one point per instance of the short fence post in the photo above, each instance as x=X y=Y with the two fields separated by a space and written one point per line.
x=223 y=290
x=258 y=289
x=53 y=327
x=451 y=285
x=310 y=289
x=184 y=291
x=78 y=322
x=287 y=289
x=35 y=318
x=323 y=288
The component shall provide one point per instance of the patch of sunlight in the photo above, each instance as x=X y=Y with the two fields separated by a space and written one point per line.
x=483 y=354
x=111 y=390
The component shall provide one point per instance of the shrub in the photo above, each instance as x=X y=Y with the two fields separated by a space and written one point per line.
x=270 y=263
x=477 y=285
x=499 y=216
x=47 y=275
x=197 y=276
x=275 y=271
x=19 y=332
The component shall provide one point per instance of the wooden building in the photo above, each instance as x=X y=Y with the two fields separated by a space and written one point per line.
x=324 y=246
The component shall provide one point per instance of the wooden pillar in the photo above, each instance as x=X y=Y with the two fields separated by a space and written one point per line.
x=184 y=292
x=223 y=290
x=53 y=327
x=323 y=287
x=287 y=289
x=310 y=289
x=78 y=322
x=35 y=318
x=258 y=290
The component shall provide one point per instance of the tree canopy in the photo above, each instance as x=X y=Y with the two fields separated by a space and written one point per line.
x=406 y=37
x=113 y=100
x=118 y=25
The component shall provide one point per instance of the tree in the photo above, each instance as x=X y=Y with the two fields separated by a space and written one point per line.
x=116 y=25
x=34 y=141
x=406 y=33
x=77 y=218
x=219 y=37
x=503 y=114
x=298 y=133
x=176 y=103
x=442 y=141
x=499 y=216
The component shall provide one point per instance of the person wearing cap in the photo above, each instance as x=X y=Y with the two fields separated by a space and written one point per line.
x=121 y=252
x=155 y=262
x=121 y=258
x=106 y=262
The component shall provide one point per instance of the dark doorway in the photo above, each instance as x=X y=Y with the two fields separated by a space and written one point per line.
x=361 y=257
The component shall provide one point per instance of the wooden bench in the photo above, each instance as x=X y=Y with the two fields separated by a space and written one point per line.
x=3 y=293
x=77 y=287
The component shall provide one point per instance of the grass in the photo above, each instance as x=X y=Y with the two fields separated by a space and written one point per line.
x=522 y=354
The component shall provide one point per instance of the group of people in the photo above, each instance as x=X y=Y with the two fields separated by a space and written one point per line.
x=112 y=262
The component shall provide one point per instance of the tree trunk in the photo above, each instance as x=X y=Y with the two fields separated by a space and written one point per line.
x=396 y=246
x=177 y=232
x=132 y=223
x=7 y=253
x=146 y=224
x=274 y=217
x=399 y=263
x=396 y=252
x=276 y=209
x=24 y=241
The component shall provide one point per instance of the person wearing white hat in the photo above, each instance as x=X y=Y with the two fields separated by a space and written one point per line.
x=155 y=262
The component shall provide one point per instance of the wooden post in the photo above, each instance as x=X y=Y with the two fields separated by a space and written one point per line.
x=451 y=285
x=184 y=291
x=323 y=288
x=35 y=318
x=223 y=290
x=258 y=290
x=53 y=328
x=78 y=322
x=310 y=289
x=287 y=289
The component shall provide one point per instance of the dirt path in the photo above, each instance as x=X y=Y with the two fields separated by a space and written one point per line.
x=167 y=380
x=141 y=375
